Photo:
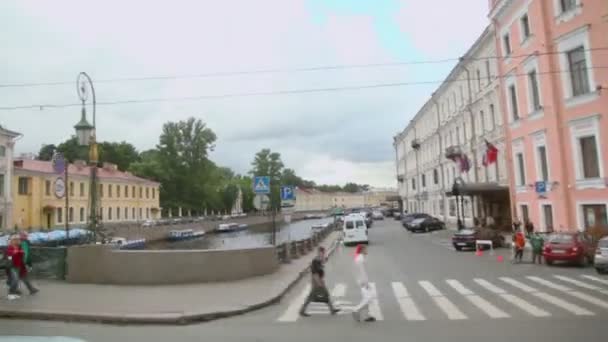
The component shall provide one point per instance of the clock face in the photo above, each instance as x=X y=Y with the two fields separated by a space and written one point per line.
x=59 y=187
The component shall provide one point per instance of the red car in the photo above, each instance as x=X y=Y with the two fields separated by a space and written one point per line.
x=568 y=247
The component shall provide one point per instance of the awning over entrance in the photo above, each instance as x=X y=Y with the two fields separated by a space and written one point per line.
x=49 y=207
x=473 y=189
x=393 y=198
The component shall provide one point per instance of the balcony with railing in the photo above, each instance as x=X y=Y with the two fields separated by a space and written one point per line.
x=415 y=144
x=453 y=152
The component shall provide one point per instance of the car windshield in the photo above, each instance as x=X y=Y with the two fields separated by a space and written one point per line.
x=561 y=238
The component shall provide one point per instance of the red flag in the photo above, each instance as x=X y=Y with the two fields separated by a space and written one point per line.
x=491 y=154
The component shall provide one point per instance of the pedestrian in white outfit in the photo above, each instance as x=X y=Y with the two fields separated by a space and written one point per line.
x=361 y=311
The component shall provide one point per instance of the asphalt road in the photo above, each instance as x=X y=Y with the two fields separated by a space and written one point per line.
x=426 y=292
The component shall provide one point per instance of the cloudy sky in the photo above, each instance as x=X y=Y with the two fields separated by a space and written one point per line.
x=329 y=137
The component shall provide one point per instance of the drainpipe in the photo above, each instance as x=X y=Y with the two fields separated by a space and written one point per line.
x=418 y=183
x=473 y=137
x=560 y=129
x=441 y=150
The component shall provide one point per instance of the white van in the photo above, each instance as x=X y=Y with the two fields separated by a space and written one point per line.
x=354 y=230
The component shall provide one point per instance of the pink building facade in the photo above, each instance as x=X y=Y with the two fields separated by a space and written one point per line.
x=553 y=69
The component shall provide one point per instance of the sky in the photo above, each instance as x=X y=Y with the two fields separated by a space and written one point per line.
x=331 y=137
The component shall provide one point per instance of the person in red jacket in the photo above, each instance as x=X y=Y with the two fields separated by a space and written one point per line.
x=520 y=243
x=17 y=269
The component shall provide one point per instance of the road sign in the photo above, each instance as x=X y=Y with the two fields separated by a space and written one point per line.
x=261 y=185
x=261 y=202
x=58 y=163
x=288 y=193
x=59 y=187
x=541 y=187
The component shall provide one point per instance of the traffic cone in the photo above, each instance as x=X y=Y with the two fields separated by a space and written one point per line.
x=479 y=252
x=500 y=258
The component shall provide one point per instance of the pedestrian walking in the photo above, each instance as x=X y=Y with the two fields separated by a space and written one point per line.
x=318 y=292
x=520 y=243
x=361 y=311
x=17 y=269
x=537 y=242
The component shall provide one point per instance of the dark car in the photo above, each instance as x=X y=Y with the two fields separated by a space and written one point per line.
x=466 y=238
x=408 y=218
x=568 y=247
x=425 y=224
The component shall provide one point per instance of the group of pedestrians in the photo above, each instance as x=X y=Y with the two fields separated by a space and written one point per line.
x=519 y=242
x=18 y=263
x=320 y=294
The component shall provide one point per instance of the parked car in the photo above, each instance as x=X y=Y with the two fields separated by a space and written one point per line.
x=568 y=247
x=377 y=215
x=397 y=215
x=408 y=218
x=426 y=224
x=600 y=261
x=148 y=223
x=466 y=238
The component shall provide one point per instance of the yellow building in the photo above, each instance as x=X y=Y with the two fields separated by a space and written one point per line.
x=123 y=197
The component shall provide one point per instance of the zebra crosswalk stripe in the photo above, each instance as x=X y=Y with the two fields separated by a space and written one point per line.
x=517 y=301
x=581 y=284
x=442 y=302
x=293 y=310
x=573 y=308
x=580 y=295
x=599 y=280
x=406 y=303
x=374 y=305
x=485 y=306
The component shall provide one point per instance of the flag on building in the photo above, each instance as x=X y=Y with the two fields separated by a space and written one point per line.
x=491 y=154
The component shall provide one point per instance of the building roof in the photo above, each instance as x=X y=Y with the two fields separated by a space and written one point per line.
x=46 y=167
x=10 y=133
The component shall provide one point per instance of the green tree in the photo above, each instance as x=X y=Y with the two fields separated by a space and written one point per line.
x=122 y=154
x=46 y=152
x=72 y=150
x=351 y=187
x=289 y=177
x=268 y=163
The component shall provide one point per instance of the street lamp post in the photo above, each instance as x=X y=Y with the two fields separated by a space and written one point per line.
x=87 y=137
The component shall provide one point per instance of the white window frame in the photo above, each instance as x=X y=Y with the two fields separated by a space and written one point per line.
x=543 y=219
x=569 y=42
x=512 y=81
x=579 y=212
x=562 y=17
x=523 y=39
x=540 y=139
x=580 y=128
x=531 y=65
x=520 y=214
x=518 y=147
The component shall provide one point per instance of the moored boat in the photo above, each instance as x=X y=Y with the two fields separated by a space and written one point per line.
x=185 y=234
x=231 y=227
x=122 y=243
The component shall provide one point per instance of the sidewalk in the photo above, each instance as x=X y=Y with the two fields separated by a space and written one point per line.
x=177 y=304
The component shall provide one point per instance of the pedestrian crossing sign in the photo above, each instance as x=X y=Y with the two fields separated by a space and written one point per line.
x=261 y=185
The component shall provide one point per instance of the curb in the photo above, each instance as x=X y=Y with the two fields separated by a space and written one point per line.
x=156 y=319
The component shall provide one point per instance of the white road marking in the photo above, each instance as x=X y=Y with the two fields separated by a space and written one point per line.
x=550 y=284
x=442 y=302
x=485 y=306
x=292 y=312
x=582 y=284
x=573 y=308
x=339 y=291
x=374 y=305
x=582 y=296
x=520 y=303
x=599 y=280
x=407 y=305
x=519 y=285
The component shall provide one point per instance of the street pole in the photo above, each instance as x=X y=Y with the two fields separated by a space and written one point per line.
x=87 y=136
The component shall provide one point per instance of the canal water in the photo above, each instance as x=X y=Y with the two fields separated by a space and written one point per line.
x=256 y=236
